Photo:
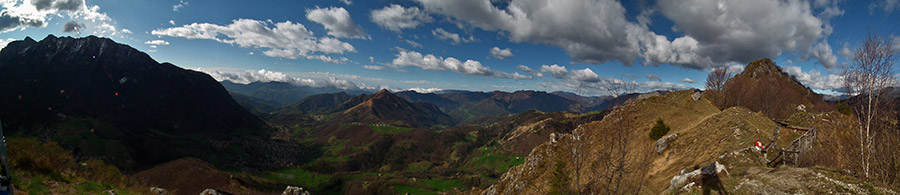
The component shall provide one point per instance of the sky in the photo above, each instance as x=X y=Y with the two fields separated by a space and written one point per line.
x=583 y=46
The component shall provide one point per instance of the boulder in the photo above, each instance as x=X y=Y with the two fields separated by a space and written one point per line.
x=663 y=143
x=210 y=192
x=292 y=190
x=159 y=191
x=696 y=96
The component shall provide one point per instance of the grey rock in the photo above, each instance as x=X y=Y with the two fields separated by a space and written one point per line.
x=663 y=143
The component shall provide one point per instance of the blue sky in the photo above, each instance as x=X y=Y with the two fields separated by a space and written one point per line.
x=585 y=46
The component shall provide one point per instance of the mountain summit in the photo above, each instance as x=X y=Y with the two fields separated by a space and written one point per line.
x=386 y=107
x=763 y=86
x=146 y=108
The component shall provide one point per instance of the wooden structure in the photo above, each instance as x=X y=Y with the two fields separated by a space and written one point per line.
x=791 y=153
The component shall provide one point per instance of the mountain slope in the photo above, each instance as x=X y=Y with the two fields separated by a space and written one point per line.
x=615 y=156
x=385 y=107
x=763 y=86
x=147 y=109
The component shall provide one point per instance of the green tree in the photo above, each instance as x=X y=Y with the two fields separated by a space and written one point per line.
x=559 y=184
x=659 y=130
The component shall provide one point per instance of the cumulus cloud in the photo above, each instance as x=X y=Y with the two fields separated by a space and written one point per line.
x=73 y=26
x=338 y=22
x=814 y=79
x=501 y=54
x=396 y=17
x=597 y=31
x=348 y=2
x=454 y=38
x=744 y=31
x=653 y=77
x=179 y=5
x=157 y=42
x=373 y=67
x=436 y=63
x=556 y=71
x=21 y=14
x=284 y=40
x=530 y=71
x=263 y=75
x=686 y=80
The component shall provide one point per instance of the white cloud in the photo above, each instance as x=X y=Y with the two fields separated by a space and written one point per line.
x=653 y=77
x=373 y=67
x=556 y=71
x=814 y=79
x=686 y=80
x=846 y=53
x=896 y=42
x=157 y=42
x=454 y=38
x=3 y=43
x=126 y=31
x=371 y=59
x=530 y=71
x=501 y=54
x=172 y=22
x=338 y=22
x=423 y=90
x=597 y=31
x=284 y=40
x=22 y=14
x=887 y=5
x=396 y=17
x=179 y=5
x=824 y=54
x=348 y=2
x=263 y=75
x=328 y=59
x=746 y=30
x=436 y=63
x=413 y=43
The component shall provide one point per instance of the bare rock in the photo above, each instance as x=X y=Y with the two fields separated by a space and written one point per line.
x=159 y=191
x=696 y=96
x=292 y=190
x=663 y=143
x=210 y=192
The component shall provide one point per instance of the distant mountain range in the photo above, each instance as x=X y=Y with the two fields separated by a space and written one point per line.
x=269 y=99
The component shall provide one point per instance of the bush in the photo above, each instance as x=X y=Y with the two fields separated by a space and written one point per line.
x=659 y=130
x=559 y=183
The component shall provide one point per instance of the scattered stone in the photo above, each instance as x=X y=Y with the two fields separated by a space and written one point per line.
x=110 y=192
x=696 y=96
x=292 y=190
x=159 y=191
x=801 y=108
x=210 y=192
x=663 y=143
x=708 y=171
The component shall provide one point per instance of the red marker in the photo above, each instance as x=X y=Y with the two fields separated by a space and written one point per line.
x=117 y=93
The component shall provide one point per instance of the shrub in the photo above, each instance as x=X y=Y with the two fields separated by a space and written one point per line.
x=659 y=130
x=559 y=184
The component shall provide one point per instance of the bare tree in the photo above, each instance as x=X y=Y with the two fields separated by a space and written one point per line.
x=871 y=71
x=715 y=81
x=715 y=85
